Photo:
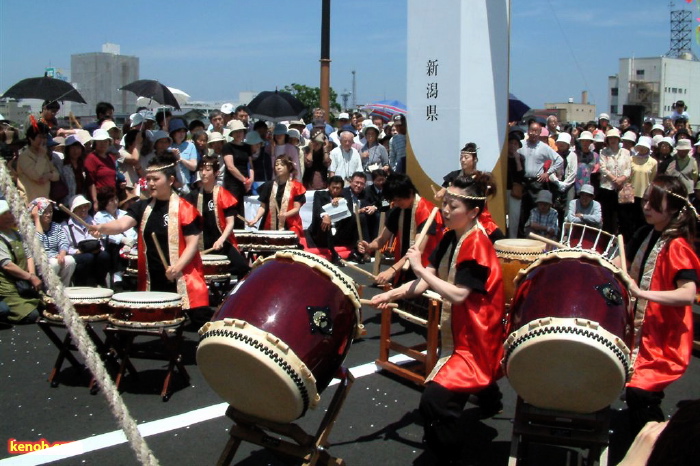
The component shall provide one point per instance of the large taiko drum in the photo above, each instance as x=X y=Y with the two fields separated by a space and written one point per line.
x=571 y=332
x=279 y=338
x=144 y=309
x=91 y=304
x=579 y=236
x=515 y=255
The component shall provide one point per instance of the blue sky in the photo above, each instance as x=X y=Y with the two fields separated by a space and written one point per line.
x=214 y=49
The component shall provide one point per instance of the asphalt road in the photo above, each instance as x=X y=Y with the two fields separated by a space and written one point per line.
x=378 y=424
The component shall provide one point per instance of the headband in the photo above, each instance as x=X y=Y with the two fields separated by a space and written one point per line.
x=469 y=198
x=685 y=200
x=159 y=168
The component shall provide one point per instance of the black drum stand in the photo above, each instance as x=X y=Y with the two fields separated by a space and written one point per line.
x=309 y=448
x=550 y=427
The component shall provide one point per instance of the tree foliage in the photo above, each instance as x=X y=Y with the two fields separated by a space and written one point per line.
x=311 y=97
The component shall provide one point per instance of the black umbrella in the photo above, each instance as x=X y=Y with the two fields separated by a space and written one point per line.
x=44 y=88
x=276 y=106
x=516 y=108
x=154 y=90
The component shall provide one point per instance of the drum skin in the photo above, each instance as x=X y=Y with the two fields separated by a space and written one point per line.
x=568 y=347
x=274 y=298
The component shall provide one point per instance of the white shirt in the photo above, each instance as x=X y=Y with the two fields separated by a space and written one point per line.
x=344 y=164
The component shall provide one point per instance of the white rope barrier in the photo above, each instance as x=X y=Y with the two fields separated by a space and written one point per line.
x=72 y=320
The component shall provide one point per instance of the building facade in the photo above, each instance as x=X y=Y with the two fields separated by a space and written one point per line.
x=99 y=76
x=655 y=84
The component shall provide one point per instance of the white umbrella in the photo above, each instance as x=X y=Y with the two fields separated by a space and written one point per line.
x=181 y=96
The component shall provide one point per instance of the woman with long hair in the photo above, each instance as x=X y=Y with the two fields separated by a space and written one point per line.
x=464 y=270
x=665 y=270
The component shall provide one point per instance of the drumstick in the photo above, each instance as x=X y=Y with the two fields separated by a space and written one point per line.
x=359 y=225
x=551 y=242
x=358 y=269
x=75 y=217
x=240 y=217
x=378 y=252
x=623 y=255
x=369 y=303
x=206 y=251
x=423 y=233
x=160 y=251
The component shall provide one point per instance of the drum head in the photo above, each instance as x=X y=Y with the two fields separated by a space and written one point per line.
x=87 y=294
x=207 y=258
x=277 y=386
x=566 y=365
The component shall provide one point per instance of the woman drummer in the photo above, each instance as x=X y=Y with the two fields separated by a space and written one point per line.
x=464 y=270
x=281 y=200
x=176 y=224
x=217 y=206
x=664 y=264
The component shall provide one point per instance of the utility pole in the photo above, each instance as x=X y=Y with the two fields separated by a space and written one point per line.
x=354 y=91
x=325 y=55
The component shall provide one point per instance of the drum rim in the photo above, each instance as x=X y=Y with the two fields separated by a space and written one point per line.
x=118 y=301
x=568 y=325
x=266 y=344
x=573 y=253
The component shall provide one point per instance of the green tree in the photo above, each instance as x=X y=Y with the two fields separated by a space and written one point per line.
x=311 y=97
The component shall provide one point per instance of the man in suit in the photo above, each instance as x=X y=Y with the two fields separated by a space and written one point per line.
x=325 y=232
x=358 y=201
x=373 y=195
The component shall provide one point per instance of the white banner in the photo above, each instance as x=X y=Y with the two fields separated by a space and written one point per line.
x=457 y=89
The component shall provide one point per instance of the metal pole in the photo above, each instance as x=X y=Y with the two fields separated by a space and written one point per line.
x=325 y=55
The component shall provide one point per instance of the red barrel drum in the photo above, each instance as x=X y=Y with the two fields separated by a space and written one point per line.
x=571 y=332
x=278 y=339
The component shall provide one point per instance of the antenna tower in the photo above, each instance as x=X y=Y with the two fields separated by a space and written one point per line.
x=681 y=29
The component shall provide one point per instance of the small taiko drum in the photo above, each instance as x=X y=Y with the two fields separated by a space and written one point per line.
x=244 y=239
x=91 y=304
x=139 y=309
x=580 y=236
x=515 y=255
x=215 y=267
x=571 y=332
x=273 y=240
x=279 y=338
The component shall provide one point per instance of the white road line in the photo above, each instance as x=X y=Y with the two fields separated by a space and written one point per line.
x=147 y=429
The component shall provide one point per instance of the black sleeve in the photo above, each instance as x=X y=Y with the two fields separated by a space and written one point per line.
x=301 y=198
x=230 y=211
x=137 y=209
x=392 y=220
x=193 y=228
x=686 y=274
x=227 y=149
x=472 y=275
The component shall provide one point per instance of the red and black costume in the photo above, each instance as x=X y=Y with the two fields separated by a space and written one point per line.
x=472 y=342
x=281 y=198
x=171 y=220
x=664 y=342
